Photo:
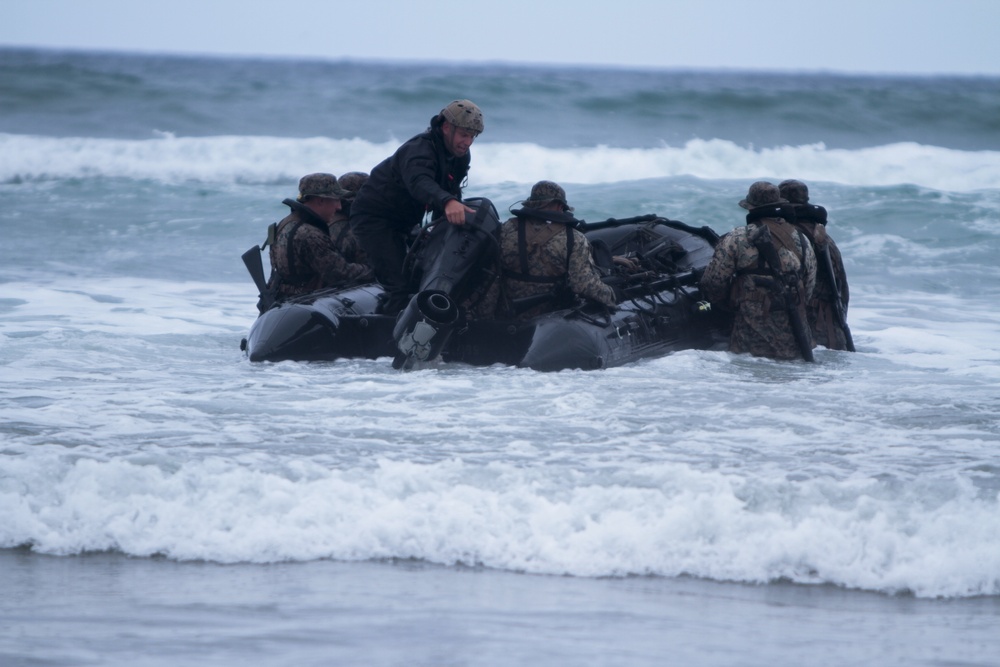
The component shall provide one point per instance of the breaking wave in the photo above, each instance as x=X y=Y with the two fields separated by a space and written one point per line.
x=246 y=159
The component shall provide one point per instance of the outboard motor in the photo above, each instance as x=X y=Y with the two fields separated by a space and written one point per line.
x=423 y=328
x=448 y=258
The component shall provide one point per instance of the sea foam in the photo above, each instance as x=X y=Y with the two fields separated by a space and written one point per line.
x=664 y=520
x=248 y=159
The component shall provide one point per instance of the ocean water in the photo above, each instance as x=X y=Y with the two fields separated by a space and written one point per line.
x=164 y=501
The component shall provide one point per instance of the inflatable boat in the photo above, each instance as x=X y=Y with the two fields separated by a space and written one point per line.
x=661 y=310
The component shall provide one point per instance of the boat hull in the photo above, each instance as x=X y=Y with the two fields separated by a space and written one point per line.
x=669 y=317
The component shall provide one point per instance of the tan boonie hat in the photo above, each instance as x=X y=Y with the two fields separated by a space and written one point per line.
x=321 y=185
x=761 y=193
x=544 y=193
x=794 y=191
x=464 y=114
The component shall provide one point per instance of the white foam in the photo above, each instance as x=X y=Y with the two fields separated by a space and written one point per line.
x=244 y=159
x=126 y=305
x=666 y=519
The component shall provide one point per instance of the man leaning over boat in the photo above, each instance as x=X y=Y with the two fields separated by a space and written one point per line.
x=424 y=175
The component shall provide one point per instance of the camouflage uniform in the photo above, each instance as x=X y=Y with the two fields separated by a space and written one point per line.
x=340 y=229
x=351 y=182
x=544 y=266
x=347 y=244
x=761 y=325
x=811 y=220
x=303 y=256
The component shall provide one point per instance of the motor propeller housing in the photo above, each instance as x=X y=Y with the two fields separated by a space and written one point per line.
x=424 y=327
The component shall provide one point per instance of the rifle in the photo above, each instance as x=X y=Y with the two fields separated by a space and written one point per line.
x=251 y=258
x=839 y=312
x=528 y=302
x=785 y=284
x=563 y=294
x=653 y=286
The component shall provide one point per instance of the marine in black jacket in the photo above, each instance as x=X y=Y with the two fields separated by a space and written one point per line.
x=424 y=175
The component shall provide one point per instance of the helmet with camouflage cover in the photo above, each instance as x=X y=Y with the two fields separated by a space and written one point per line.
x=464 y=114
x=761 y=193
x=320 y=185
x=544 y=193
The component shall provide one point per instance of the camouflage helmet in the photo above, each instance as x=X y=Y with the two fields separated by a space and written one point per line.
x=544 y=193
x=761 y=193
x=320 y=185
x=794 y=191
x=352 y=182
x=464 y=114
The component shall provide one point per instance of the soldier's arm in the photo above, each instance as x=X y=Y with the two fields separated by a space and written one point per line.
x=418 y=169
x=332 y=267
x=584 y=278
x=718 y=277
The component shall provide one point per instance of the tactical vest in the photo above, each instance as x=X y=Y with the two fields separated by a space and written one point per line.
x=783 y=235
x=536 y=238
x=305 y=216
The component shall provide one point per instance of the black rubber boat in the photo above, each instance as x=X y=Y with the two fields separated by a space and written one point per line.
x=662 y=312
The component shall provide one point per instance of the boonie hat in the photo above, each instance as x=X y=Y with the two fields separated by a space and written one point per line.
x=794 y=191
x=761 y=193
x=352 y=182
x=321 y=185
x=544 y=193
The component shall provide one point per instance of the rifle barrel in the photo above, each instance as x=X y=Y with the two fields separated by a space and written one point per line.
x=839 y=312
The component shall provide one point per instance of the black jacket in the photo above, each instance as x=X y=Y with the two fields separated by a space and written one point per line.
x=420 y=176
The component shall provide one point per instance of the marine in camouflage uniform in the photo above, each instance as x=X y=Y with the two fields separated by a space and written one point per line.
x=736 y=277
x=303 y=256
x=340 y=227
x=542 y=253
x=811 y=220
x=351 y=182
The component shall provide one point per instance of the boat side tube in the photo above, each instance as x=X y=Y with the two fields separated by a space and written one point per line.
x=290 y=331
x=329 y=324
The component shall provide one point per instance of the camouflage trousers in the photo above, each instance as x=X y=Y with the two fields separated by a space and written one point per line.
x=823 y=323
x=763 y=332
